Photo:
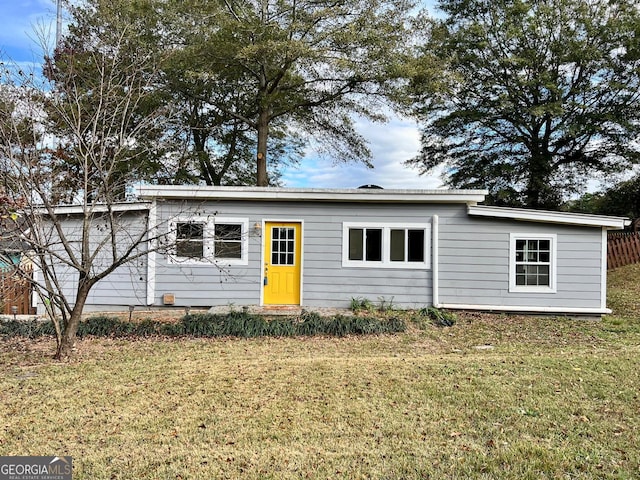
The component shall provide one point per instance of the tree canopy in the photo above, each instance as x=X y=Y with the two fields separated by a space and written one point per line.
x=527 y=98
x=258 y=77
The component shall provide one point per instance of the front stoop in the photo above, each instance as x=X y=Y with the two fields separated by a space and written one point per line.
x=281 y=310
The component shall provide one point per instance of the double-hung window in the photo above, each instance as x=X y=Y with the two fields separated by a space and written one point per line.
x=532 y=263
x=209 y=239
x=387 y=245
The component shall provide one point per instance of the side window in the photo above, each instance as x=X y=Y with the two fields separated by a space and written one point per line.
x=532 y=263
x=210 y=239
x=386 y=245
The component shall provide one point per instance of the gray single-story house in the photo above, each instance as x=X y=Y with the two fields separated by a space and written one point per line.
x=251 y=246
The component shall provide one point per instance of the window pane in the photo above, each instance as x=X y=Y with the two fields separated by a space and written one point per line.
x=356 y=250
x=533 y=262
x=228 y=250
x=416 y=246
x=190 y=240
x=186 y=248
x=228 y=232
x=283 y=246
x=190 y=230
x=374 y=245
x=227 y=241
x=397 y=245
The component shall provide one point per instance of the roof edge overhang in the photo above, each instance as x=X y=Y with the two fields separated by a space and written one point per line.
x=355 y=195
x=545 y=216
x=97 y=208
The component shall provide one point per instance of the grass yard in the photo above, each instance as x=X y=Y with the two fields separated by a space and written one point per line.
x=491 y=397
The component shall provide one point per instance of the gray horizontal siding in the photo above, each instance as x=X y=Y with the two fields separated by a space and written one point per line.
x=473 y=260
x=325 y=282
x=474 y=264
x=124 y=286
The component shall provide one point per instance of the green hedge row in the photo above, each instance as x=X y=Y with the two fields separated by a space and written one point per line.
x=234 y=324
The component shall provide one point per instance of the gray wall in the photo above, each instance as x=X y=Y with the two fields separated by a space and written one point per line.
x=473 y=261
x=325 y=281
x=124 y=286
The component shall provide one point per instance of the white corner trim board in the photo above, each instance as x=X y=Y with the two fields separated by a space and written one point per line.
x=435 y=279
x=603 y=270
x=152 y=227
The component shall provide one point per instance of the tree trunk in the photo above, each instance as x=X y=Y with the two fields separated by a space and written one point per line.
x=263 y=135
x=68 y=339
x=538 y=188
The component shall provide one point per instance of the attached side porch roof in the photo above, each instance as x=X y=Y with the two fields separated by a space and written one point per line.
x=544 y=216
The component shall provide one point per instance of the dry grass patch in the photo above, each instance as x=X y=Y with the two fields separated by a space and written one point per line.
x=417 y=405
x=550 y=398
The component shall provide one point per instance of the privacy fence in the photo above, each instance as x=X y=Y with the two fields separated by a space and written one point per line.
x=623 y=248
x=15 y=291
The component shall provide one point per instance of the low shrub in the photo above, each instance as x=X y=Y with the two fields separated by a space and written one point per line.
x=233 y=324
x=439 y=318
x=27 y=329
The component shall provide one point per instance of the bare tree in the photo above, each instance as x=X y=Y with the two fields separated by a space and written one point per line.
x=77 y=141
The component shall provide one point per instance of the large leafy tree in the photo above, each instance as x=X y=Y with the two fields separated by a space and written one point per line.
x=622 y=199
x=310 y=64
x=258 y=77
x=535 y=95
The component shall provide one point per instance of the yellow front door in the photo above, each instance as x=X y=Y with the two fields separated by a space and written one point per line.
x=282 y=259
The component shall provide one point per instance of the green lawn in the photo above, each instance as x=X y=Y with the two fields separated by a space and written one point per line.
x=551 y=398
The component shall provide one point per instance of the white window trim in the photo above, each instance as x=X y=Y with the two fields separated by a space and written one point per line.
x=386 y=242
x=552 y=263
x=209 y=241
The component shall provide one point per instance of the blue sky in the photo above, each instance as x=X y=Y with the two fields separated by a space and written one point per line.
x=23 y=23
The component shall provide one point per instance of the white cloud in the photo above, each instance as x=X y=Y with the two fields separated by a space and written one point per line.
x=391 y=145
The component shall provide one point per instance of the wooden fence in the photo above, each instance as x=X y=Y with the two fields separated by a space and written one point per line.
x=623 y=248
x=15 y=292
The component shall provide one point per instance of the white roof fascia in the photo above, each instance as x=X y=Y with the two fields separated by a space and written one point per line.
x=195 y=192
x=78 y=209
x=544 y=216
